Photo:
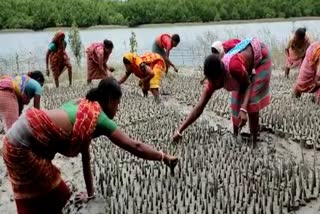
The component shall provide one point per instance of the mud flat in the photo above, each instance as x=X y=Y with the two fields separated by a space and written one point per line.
x=217 y=173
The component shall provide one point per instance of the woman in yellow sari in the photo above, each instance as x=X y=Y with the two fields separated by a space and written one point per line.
x=149 y=68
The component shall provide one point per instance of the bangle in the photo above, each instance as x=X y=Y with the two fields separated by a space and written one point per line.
x=92 y=196
x=179 y=133
x=244 y=110
x=162 y=156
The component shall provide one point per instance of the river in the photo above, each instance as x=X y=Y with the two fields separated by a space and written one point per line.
x=22 y=51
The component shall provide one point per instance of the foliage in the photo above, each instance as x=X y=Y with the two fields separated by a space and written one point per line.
x=75 y=42
x=39 y=14
x=133 y=43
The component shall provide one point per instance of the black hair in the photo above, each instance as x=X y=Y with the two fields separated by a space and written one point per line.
x=37 y=75
x=176 y=38
x=301 y=33
x=214 y=50
x=213 y=67
x=126 y=61
x=108 y=44
x=107 y=89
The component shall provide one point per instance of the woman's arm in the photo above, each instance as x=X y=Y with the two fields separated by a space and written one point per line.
x=197 y=110
x=149 y=73
x=47 y=62
x=87 y=173
x=135 y=147
x=36 y=101
x=124 y=78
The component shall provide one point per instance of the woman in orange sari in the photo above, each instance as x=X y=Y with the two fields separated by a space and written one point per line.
x=32 y=142
x=58 y=58
x=149 y=68
x=296 y=50
x=97 y=58
x=308 y=80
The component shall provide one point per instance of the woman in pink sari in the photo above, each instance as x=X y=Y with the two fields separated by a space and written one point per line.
x=245 y=71
x=97 y=57
x=296 y=50
x=308 y=80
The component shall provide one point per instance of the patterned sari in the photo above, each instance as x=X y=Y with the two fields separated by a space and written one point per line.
x=296 y=52
x=94 y=54
x=156 y=63
x=260 y=93
x=308 y=71
x=31 y=144
x=59 y=59
x=11 y=90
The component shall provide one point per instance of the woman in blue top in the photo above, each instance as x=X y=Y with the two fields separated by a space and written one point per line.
x=17 y=91
x=58 y=58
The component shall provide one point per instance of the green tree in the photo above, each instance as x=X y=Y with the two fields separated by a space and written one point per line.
x=75 y=43
x=133 y=43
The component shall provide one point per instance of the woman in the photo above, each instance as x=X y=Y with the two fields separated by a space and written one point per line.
x=97 y=58
x=58 y=58
x=149 y=68
x=296 y=50
x=163 y=45
x=17 y=91
x=250 y=90
x=308 y=80
x=38 y=135
x=220 y=49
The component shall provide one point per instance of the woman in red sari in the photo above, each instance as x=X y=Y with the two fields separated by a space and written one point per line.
x=58 y=58
x=221 y=48
x=32 y=142
x=97 y=58
x=245 y=70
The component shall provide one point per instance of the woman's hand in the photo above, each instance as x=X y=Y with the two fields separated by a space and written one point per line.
x=83 y=197
x=243 y=118
x=146 y=86
x=171 y=162
x=176 y=136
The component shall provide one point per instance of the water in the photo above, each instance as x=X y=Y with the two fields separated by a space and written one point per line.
x=22 y=51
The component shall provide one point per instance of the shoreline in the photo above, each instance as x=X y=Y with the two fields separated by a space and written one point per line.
x=155 y=25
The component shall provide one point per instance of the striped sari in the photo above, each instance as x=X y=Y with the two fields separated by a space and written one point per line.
x=260 y=93
x=28 y=150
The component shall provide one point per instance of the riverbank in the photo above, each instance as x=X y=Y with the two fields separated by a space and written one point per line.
x=223 y=22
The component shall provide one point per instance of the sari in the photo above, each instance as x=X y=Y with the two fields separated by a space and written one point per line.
x=11 y=90
x=308 y=71
x=154 y=61
x=234 y=62
x=59 y=59
x=28 y=149
x=296 y=52
x=95 y=53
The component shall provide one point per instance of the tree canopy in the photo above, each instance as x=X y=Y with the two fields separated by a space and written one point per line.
x=39 y=14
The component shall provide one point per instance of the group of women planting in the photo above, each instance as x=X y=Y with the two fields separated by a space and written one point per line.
x=32 y=139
